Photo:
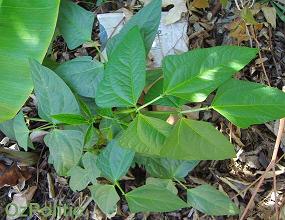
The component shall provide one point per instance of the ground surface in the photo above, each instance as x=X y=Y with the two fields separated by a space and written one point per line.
x=210 y=26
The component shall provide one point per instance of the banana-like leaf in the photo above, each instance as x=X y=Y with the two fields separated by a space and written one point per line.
x=26 y=28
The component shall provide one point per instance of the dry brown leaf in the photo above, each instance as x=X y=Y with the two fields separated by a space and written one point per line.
x=21 y=201
x=270 y=15
x=11 y=176
x=200 y=4
x=176 y=12
x=237 y=30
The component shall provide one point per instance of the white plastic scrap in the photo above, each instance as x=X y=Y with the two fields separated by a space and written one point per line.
x=170 y=38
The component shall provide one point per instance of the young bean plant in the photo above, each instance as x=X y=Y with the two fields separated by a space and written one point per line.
x=101 y=120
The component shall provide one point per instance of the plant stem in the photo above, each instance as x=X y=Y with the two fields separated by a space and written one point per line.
x=149 y=103
x=120 y=188
x=100 y=53
x=180 y=183
x=125 y=111
x=36 y=119
x=196 y=110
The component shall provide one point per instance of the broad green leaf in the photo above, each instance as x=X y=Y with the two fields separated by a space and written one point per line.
x=145 y=135
x=89 y=162
x=152 y=198
x=196 y=140
x=246 y=103
x=7 y=128
x=26 y=29
x=92 y=138
x=65 y=148
x=124 y=76
x=163 y=183
x=89 y=136
x=153 y=76
x=195 y=74
x=79 y=178
x=75 y=23
x=53 y=95
x=165 y=168
x=208 y=200
x=105 y=197
x=80 y=72
x=109 y=128
x=22 y=133
x=17 y=130
x=147 y=19
x=156 y=114
x=114 y=161
x=156 y=90
x=70 y=119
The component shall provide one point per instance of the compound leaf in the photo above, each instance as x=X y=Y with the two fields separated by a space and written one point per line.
x=156 y=90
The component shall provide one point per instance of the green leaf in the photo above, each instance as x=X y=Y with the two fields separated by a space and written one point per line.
x=89 y=162
x=109 y=128
x=82 y=71
x=147 y=19
x=153 y=76
x=26 y=29
x=17 y=130
x=105 y=197
x=145 y=135
x=79 y=178
x=156 y=90
x=53 y=95
x=22 y=133
x=163 y=183
x=92 y=134
x=152 y=198
x=254 y=104
x=7 y=128
x=114 y=161
x=208 y=200
x=89 y=136
x=75 y=24
x=70 y=119
x=124 y=76
x=165 y=168
x=247 y=16
x=160 y=115
x=196 y=140
x=195 y=74
x=65 y=148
